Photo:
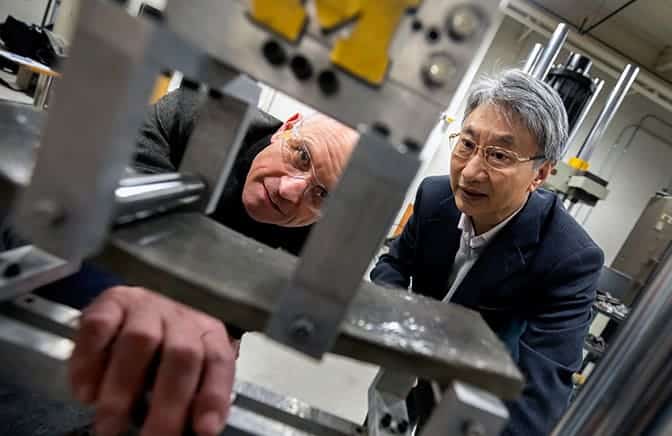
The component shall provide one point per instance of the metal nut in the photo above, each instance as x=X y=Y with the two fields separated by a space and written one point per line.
x=439 y=69
x=473 y=428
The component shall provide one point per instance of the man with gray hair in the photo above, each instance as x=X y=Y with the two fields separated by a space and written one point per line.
x=488 y=238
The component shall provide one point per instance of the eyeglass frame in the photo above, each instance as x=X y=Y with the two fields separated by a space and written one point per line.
x=482 y=148
x=286 y=150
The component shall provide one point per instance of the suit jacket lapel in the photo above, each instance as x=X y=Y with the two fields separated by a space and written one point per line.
x=507 y=253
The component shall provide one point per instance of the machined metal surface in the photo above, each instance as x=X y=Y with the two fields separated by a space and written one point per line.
x=143 y=195
x=625 y=81
x=388 y=412
x=26 y=268
x=533 y=58
x=335 y=257
x=89 y=136
x=214 y=144
x=551 y=52
x=466 y=410
x=192 y=259
x=635 y=369
x=225 y=31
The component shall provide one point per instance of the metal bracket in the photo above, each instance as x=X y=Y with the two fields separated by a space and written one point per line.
x=339 y=248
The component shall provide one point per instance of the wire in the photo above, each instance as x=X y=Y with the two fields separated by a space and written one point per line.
x=608 y=16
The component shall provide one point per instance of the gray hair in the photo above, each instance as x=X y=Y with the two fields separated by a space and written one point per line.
x=534 y=102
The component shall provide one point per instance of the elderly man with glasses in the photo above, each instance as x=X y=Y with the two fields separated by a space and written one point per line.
x=281 y=177
x=488 y=238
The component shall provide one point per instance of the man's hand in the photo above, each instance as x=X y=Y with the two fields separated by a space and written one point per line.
x=119 y=336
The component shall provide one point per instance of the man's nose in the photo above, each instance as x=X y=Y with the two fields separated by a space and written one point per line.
x=474 y=169
x=292 y=188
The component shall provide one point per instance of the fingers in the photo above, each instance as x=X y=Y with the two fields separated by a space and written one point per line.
x=177 y=378
x=212 y=402
x=125 y=377
x=98 y=326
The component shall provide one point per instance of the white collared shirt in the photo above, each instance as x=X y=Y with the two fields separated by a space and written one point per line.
x=471 y=247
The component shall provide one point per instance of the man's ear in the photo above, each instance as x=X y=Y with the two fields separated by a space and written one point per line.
x=542 y=173
x=287 y=125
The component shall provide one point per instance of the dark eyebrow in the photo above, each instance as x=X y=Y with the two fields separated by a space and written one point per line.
x=505 y=140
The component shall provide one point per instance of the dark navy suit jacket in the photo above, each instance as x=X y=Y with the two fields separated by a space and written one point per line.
x=534 y=285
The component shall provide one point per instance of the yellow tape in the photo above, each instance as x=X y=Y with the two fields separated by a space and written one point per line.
x=160 y=88
x=579 y=164
x=284 y=17
x=331 y=13
x=364 y=52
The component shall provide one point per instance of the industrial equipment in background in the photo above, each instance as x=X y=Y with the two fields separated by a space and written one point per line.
x=398 y=57
x=572 y=179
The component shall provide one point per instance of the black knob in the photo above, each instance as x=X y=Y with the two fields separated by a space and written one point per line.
x=327 y=80
x=301 y=67
x=274 y=53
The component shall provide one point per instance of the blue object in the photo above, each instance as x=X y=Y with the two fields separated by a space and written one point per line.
x=534 y=285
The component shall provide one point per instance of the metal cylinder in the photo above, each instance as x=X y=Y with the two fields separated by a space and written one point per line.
x=599 y=84
x=551 y=52
x=141 y=196
x=630 y=387
x=614 y=101
x=533 y=58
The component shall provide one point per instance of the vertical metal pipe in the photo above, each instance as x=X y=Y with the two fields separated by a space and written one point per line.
x=533 y=58
x=632 y=382
x=551 y=52
x=614 y=101
x=585 y=110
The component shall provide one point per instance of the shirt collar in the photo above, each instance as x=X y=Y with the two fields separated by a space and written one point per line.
x=468 y=232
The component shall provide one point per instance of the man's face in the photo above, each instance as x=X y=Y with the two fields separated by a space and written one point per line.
x=487 y=195
x=289 y=180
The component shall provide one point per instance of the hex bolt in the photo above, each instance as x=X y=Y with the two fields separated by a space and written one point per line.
x=302 y=329
x=439 y=69
x=473 y=428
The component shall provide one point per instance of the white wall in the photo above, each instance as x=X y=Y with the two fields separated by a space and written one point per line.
x=30 y=11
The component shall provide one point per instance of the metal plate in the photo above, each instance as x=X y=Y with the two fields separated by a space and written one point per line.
x=222 y=28
x=192 y=259
x=340 y=247
x=26 y=268
x=90 y=133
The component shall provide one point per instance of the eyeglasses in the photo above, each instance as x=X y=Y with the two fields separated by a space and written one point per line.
x=497 y=158
x=296 y=155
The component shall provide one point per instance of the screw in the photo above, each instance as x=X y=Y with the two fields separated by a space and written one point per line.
x=12 y=270
x=416 y=25
x=328 y=82
x=301 y=67
x=274 y=53
x=463 y=22
x=302 y=328
x=473 y=428
x=50 y=211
